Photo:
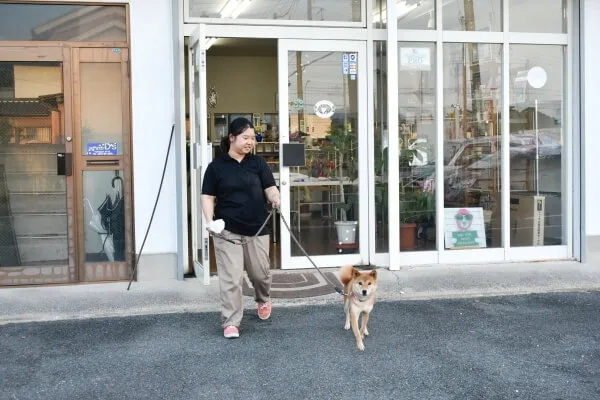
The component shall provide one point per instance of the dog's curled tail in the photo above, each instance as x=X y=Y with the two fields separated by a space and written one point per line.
x=346 y=274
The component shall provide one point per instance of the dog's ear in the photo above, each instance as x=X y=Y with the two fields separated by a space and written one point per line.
x=373 y=273
x=355 y=273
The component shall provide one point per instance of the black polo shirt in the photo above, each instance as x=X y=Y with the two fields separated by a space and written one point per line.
x=239 y=189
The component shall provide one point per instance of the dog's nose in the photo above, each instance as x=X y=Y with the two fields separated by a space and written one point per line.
x=364 y=292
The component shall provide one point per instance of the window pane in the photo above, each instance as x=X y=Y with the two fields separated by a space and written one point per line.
x=473 y=15
x=381 y=138
x=33 y=198
x=379 y=14
x=101 y=109
x=472 y=105
x=415 y=14
x=417 y=133
x=323 y=114
x=411 y=14
x=104 y=213
x=54 y=22
x=550 y=16
x=536 y=113
x=301 y=10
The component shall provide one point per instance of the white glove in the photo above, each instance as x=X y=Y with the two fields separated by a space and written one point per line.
x=216 y=226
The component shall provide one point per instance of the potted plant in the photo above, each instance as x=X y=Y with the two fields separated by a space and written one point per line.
x=5 y=131
x=342 y=142
x=408 y=223
x=425 y=206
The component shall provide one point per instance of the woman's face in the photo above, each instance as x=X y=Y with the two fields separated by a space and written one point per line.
x=244 y=142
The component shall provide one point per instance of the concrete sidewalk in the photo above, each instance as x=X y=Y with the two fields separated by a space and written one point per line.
x=191 y=295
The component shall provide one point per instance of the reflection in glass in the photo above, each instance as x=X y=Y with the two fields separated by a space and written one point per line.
x=56 y=22
x=379 y=14
x=101 y=109
x=104 y=216
x=300 y=10
x=323 y=114
x=536 y=114
x=381 y=137
x=473 y=15
x=472 y=128
x=416 y=137
x=33 y=206
x=411 y=14
x=550 y=16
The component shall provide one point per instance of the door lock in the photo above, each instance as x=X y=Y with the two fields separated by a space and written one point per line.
x=69 y=138
x=64 y=164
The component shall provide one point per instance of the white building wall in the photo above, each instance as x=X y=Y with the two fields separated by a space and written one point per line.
x=591 y=106
x=152 y=117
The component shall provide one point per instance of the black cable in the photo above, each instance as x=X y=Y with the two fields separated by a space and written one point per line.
x=154 y=209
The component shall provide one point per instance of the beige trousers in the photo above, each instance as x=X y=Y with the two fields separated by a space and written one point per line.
x=232 y=259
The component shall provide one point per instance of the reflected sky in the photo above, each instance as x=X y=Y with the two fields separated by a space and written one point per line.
x=18 y=20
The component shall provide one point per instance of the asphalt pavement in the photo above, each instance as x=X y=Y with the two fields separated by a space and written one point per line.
x=527 y=346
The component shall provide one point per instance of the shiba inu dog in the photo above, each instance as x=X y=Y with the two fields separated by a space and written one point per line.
x=359 y=298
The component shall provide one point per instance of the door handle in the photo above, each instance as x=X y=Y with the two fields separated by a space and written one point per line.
x=64 y=164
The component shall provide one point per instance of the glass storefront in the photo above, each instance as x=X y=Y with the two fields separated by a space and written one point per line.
x=475 y=95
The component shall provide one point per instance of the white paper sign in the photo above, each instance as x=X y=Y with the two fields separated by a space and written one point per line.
x=415 y=59
x=464 y=228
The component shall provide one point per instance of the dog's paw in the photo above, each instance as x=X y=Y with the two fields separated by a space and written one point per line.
x=360 y=346
x=347 y=326
x=366 y=333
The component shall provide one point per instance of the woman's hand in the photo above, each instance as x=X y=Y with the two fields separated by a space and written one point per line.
x=273 y=196
x=276 y=203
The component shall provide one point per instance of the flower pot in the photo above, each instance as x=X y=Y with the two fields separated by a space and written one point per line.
x=346 y=231
x=408 y=236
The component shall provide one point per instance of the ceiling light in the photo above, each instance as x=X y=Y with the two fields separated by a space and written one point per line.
x=241 y=7
x=233 y=8
x=401 y=10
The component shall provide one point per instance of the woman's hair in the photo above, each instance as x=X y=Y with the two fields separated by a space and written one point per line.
x=236 y=127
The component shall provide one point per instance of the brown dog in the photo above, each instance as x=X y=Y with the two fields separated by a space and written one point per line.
x=359 y=298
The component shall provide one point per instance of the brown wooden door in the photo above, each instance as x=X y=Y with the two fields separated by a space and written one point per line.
x=102 y=156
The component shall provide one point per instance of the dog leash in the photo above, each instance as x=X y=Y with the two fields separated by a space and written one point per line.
x=244 y=241
x=337 y=288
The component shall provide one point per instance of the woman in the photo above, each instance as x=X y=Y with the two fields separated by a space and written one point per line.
x=241 y=184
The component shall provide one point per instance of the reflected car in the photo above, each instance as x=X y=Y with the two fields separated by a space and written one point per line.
x=474 y=164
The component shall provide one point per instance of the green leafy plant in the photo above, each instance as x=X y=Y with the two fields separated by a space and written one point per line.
x=417 y=207
x=343 y=144
x=5 y=131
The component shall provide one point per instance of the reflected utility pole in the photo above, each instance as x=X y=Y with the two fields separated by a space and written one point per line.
x=473 y=57
x=300 y=91
x=299 y=77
